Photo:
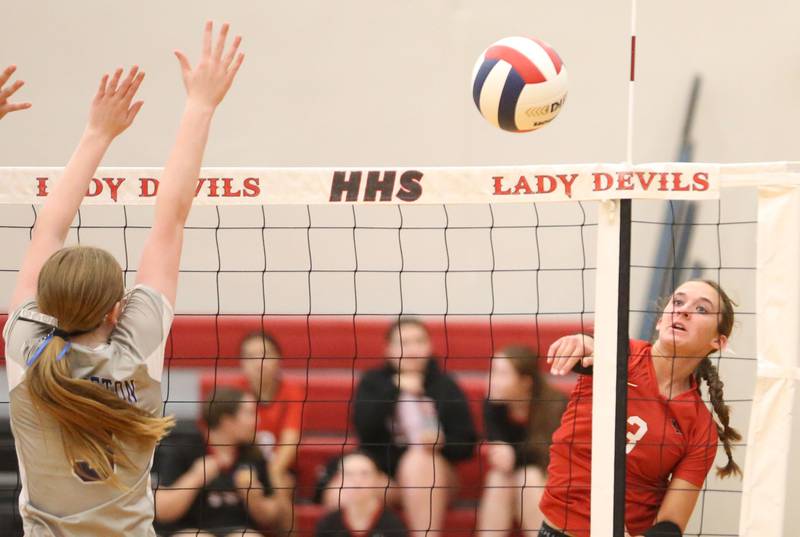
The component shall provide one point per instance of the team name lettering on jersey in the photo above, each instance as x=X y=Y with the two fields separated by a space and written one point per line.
x=125 y=389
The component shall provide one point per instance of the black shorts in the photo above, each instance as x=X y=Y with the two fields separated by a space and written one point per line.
x=216 y=532
x=548 y=531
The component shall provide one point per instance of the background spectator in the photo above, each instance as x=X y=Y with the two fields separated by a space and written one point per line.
x=521 y=412
x=414 y=421
x=280 y=408
x=217 y=484
x=362 y=510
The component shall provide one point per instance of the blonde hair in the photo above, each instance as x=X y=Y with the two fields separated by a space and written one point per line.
x=79 y=286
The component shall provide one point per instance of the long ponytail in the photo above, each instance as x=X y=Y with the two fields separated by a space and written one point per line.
x=79 y=286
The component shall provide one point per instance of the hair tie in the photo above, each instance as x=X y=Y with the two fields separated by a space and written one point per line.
x=61 y=333
x=64 y=351
x=40 y=349
x=46 y=341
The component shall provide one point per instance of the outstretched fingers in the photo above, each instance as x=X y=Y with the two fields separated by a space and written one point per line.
x=13 y=107
x=126 y=84
x=111 y=111
x=111 y=88
x=220 y=46
x=209 y=80
x=133 y=111
x=101 y=91
x=6 y=74
x=130 y=93
x=11 y=90
x=232 y=51
x=5 y=106
x=186 y=67
x=235 y=67
x=207 y=31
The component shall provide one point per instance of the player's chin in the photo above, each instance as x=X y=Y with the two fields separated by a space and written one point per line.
x=675 y=340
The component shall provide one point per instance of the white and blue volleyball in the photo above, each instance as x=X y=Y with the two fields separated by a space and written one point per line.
x=519 y=84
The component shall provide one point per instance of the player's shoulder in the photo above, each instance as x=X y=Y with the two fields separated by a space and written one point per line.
x=379 y=374
x=26 y=318
x=24 y=328
x=143 y=295
x=439 y=377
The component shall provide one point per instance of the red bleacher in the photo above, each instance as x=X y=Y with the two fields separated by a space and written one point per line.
x=326 y=430
x=340 y=342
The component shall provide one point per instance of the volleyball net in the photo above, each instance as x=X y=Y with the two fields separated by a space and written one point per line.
x=324 y=260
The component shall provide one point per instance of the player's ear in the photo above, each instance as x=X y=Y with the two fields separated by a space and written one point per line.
x=112 y=317
x=720 y=343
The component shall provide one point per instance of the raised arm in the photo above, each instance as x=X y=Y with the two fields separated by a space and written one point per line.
x=111 y=113
x=206 y=85
x=6 y=92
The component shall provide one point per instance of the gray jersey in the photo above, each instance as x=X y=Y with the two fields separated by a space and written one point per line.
x=54 y=500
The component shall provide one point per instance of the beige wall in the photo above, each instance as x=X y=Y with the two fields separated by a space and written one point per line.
x=362 y=82
x=357 y=82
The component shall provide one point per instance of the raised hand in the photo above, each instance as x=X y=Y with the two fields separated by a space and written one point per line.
x=6 y=92
x=567 y=351
x=111 y=111
x=211 y=78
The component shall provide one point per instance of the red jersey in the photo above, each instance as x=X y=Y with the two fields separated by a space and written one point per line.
x=666 y=439
x=284 y=412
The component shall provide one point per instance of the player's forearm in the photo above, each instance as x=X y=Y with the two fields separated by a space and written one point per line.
x=286 y=453
x=68 y=193
x=174 y=501
x=178 y=185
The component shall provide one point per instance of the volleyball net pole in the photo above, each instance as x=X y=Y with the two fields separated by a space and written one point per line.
x=610 y=375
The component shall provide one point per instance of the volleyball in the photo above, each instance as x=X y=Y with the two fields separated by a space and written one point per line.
x=519 y=84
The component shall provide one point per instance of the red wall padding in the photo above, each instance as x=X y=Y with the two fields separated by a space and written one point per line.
x=341 y=342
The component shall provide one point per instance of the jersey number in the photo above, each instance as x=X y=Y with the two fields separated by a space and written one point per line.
x=634 y=436
x=88 y=474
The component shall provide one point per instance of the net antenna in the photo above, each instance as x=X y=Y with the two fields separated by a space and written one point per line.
x=677 y=234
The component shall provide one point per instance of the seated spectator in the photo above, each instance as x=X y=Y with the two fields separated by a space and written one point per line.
x=414 y=421
x=217 y=485
x=521 y=413
x=280 y=408
x=362 y=510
